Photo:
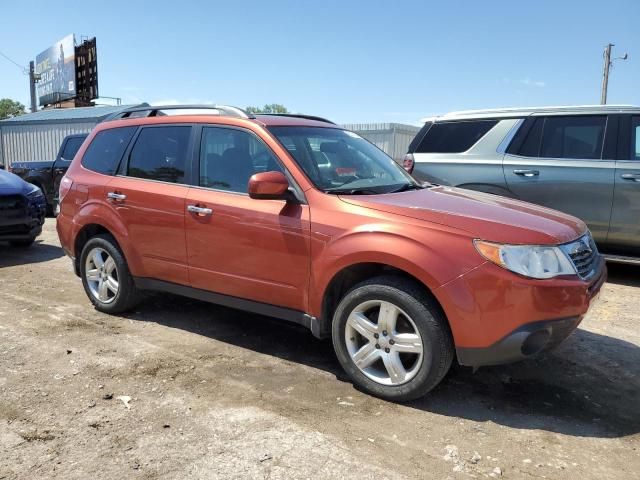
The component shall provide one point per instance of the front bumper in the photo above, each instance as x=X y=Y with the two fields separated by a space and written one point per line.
x=21 y=217
x=497 y=317
x=524 y=342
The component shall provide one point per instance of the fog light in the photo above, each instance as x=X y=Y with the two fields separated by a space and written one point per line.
x=535 y=342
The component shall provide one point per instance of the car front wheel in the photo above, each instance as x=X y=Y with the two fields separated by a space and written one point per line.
x=106 y=277
x=392 y=339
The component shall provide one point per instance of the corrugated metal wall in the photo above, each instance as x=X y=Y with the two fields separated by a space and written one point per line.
x=392 y=138
x=40 y=142
x=36 y=142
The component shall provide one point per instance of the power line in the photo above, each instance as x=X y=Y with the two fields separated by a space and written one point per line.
x=24 y=69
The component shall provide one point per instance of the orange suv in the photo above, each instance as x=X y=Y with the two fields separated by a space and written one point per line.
x=293 y=217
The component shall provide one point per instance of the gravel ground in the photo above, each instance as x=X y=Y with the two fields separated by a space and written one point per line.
x=184 y=389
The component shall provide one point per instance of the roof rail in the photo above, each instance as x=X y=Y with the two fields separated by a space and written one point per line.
x=300 y=115
x=156 y=110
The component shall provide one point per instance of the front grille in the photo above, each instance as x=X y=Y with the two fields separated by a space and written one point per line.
x=584 y=255
x=15 y=229
x=11 y=201
x=12 y=205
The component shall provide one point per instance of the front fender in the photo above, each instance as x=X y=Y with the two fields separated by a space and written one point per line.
x=433 y=257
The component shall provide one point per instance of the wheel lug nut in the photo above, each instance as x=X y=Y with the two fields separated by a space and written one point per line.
x=377 y=345
x=384 y=333
x=391 y=342
x=387 y=350
x=375 y=335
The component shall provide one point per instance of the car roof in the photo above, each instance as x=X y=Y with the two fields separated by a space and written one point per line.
x=526 y=111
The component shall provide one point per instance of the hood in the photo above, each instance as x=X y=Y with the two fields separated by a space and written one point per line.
x=482 y=215
x=11 y=184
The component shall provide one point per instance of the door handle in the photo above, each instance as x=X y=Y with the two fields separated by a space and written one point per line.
x=200 y=211
x=527 y=173
x=116 y=196
x=634 y=177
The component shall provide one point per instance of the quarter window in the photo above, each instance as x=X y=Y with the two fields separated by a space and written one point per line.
x=106 y=150
x=160 y=154
x=229 y=157
x=454 y=137
x=573 y=137
x=531 y=145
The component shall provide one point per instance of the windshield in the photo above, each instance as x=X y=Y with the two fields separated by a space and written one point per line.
x=339 y=161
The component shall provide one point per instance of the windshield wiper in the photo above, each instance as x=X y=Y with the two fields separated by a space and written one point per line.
x=407 y=186
x=352 y=191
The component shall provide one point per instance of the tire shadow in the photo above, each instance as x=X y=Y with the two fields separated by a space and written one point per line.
x=622 y=274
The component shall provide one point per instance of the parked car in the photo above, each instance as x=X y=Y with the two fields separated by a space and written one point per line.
x=22 y=210
x=297 y=218
x=581 y=160
x=46 y=175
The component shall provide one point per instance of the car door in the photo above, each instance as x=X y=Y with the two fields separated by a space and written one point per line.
x=238 y=246
x=560 y=164
x=624 y=233
x=149 y=195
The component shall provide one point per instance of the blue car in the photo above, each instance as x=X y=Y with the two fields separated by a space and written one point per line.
x=22 y=210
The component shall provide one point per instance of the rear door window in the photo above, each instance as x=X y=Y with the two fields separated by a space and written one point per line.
x=71 y=148
x=573 y=137
x=106 y=150
x=454 y=137
x=160 y=153
x=635 y=138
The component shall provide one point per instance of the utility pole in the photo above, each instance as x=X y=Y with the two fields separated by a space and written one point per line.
x=33 y=77
x=608 y=62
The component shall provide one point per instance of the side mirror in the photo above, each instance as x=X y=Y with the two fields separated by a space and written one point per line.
x=269 y=186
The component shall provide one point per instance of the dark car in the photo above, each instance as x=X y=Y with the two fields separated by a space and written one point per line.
x=22 y=210
x=46 y=175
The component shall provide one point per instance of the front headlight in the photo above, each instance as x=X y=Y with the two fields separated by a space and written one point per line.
x=534 y=261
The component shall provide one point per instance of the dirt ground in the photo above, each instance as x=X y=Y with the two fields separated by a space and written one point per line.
x=183 y=389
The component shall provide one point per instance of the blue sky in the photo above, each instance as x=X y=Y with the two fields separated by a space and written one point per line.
x=351 y=61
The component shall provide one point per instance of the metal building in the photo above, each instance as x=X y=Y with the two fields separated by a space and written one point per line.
x=392 y=138
x=37 y=136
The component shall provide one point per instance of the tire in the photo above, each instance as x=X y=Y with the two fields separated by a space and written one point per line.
x=419 y=340
x=22 y=243
x=99 y=284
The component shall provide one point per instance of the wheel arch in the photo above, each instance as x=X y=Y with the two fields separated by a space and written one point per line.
x=350 y=275
x=93 y=220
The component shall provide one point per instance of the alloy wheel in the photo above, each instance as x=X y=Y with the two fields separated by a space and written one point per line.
x=101 y=275
x=384 y=342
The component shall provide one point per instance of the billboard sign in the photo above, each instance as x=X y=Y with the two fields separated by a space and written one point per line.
x=57 y=69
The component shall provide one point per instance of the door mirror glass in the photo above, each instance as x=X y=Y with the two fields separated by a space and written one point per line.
x=269 y=186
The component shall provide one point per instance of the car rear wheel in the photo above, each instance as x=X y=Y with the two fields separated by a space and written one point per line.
x=106 y=277
x=392 y=339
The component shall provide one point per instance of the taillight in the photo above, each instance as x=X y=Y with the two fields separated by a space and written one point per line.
x=408 y=162
x=65 y=185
